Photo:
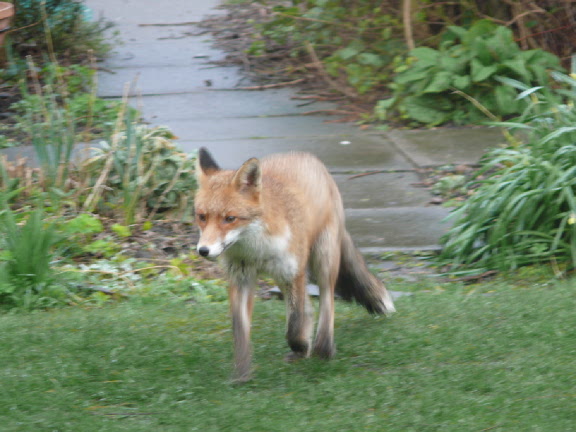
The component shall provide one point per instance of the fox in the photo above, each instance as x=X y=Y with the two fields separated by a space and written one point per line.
x=282 y=216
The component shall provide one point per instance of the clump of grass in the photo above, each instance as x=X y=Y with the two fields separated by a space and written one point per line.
x=524 y=211
x=27 y=278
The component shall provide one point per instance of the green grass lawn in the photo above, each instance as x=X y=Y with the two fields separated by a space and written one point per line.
x=447 y=361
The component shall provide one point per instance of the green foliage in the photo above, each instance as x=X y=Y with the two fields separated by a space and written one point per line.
x=26 y=274
x=121 y=230
x=64 y=22
x=64 y=100
x=143 y=172
x=429 y=84
x=102 y=247
x=524 y=211
x=357 y=41
x=85 y=224
x=62 y=16
x=449 y=184
x=128 y=277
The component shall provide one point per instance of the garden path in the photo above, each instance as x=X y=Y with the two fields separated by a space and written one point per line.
x=166 y=59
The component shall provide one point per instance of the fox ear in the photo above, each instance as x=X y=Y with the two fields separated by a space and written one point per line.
x=248 y=176
x=205 y=164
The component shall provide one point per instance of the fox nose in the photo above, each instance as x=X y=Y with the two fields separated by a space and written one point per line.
x=204 y=251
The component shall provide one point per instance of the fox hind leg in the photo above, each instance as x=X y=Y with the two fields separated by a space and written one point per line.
x=325 y=265
x=299 y=318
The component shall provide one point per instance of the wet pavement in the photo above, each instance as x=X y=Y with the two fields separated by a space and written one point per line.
x=166 y=60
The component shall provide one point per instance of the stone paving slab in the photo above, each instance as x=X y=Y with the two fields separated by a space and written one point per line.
x=405 y=228
x=381 y=190
x=135 y=33
x=366 y=153
x=446 y=146
x=153 y=12
x=227 y=128
x=169 y=80
x=216 y=105
x=175 y=52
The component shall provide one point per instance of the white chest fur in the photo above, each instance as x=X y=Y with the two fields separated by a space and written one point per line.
x=255 y=250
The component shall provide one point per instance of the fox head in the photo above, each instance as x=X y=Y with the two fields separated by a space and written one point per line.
x=227 y=203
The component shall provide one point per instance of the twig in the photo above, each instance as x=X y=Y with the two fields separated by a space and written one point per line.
x=389 y=171
x=317 y=98
x=473 y=278
x=546 y=31
x=169 y=24
x=102 y=290
x=336 y=23
x=269 y=86
x=110 y=71
x=509 y=137
x=523 y=14
x=366 y=174
x=91 y=200
x=407 y=18
x=324 y=74
x=328 y=111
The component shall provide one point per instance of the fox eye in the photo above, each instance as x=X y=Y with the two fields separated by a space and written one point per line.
x=229 y=219
x=201 y=217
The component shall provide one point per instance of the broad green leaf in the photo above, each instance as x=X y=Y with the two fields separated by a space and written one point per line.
x=429 y=110
x=461 y=82
x=482 y=52
x=452 y=64
x=479 y=29
x=346 y=53
x=426 y=55
x=506 y=100
x=440 y=82
x=480 y=72
x=370 y=59
x=412 y=75
x=512 y=82
x=457 y=32
x=518 y=66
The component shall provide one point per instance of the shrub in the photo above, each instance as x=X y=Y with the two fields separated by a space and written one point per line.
x=139 y=173
x=67 y=24
x=356 y=41
x=524 y=211
x=428 y=86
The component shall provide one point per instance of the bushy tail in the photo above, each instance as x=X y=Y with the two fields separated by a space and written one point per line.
x=355 y=282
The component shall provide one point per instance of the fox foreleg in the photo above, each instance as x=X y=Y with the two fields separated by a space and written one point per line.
x=241 y=304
